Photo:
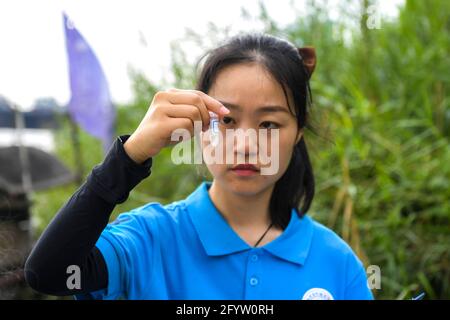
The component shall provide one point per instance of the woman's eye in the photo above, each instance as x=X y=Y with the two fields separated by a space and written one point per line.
x=269 y=125
x=226 y=120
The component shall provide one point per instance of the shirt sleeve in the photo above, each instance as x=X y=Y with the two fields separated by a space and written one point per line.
x=357 y=287
x=70 y=238
x=126 y=245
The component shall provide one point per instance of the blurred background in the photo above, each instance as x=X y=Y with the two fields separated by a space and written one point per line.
x=381 y=113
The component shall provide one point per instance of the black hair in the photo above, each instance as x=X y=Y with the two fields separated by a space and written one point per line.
x=295 y=189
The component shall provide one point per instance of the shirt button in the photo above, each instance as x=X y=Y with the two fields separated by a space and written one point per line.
x=254 y=257
x=253 y=281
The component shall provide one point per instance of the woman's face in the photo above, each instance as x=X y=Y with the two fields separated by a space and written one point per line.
x=256 y=101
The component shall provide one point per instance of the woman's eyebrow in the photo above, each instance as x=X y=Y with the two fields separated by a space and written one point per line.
x=263 y=109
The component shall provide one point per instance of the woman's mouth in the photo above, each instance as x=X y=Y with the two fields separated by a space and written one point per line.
x=245 y=170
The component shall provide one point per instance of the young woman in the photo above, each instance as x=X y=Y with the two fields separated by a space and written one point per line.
x=245 y=235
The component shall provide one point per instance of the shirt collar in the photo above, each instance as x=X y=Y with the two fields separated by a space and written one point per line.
x=218 y=238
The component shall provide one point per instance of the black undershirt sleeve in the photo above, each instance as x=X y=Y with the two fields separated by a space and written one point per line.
x=70 y=238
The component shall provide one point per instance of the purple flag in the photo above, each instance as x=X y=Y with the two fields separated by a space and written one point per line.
x=90 y=104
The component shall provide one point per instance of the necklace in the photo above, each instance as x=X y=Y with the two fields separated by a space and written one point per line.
x=270 y=226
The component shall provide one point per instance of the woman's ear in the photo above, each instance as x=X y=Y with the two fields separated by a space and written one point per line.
x=299 y=136
x=308 y=55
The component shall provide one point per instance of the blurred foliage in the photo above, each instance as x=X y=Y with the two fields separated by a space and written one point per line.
x=380 y=150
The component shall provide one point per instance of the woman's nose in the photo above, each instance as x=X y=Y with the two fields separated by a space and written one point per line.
x=246 y=141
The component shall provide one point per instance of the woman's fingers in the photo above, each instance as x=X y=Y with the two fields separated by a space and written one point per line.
x=215 y=105
x=210 y=103
x=180 y=123
x=169 y=110
x=184 y=111
x=189 y=98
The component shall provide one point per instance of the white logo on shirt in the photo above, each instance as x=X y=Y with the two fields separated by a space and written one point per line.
x=317 y=294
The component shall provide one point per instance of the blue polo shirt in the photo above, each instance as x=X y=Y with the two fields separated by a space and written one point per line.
x=187 y=250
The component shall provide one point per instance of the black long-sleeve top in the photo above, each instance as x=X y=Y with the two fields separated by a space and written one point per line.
x=71 y=236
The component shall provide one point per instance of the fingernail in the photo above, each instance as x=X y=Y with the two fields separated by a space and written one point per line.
x=224 y=110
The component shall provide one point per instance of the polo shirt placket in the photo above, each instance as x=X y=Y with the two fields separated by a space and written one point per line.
x=254 y=274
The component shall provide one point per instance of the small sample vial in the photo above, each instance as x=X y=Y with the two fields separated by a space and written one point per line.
x=214 y=128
